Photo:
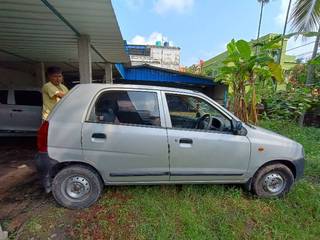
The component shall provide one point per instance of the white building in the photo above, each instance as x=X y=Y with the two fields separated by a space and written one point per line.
x=159 y=56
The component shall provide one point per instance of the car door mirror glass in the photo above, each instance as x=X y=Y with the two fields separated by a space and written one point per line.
x=237 y=128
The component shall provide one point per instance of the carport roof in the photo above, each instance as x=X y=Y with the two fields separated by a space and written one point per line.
x=48 y=30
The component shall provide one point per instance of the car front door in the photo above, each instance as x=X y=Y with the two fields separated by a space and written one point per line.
x=125 y=137
x=198 y=153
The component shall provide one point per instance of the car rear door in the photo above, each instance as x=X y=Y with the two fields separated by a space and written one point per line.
x=26 y=112
x=202 y=155
x=125 y=138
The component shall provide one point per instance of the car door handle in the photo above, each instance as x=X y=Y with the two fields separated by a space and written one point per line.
x=17 y=110
x=99 y=135
x=186 y=140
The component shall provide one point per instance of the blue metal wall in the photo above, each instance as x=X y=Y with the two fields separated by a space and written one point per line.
x=121 y=70
x=151 y=74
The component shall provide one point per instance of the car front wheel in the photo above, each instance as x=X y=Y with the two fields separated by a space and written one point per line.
x=272 y=181
x=76 y=187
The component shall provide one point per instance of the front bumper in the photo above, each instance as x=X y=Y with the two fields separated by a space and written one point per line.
x=45 y=167
x=299 y=165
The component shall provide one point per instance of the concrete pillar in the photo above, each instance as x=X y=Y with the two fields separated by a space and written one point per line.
x=40 y=73
x=84 y=53
x=108 y=73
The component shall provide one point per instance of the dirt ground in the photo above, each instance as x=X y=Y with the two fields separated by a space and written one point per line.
x=27 y=212
x=20 y=189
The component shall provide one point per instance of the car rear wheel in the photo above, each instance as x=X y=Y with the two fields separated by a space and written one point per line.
x=272 y=181
x=76 y=187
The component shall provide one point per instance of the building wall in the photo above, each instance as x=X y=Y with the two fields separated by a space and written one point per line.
x=164 y=57
x=10 y=78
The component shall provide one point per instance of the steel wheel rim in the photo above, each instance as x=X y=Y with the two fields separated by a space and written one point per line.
x=274 y=183
x=77 y=187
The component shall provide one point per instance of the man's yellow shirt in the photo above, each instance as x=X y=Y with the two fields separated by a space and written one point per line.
x=49 y=90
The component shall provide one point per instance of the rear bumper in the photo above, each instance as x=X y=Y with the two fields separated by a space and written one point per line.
x=45 y=166
x=299 y=164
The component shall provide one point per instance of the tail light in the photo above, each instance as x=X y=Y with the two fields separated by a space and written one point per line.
x=43 y=137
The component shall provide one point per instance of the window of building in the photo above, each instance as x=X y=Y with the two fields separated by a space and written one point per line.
x=194 y=113
x=127 y=107
x=3 y=96
x=29 y=98
x=138 y=50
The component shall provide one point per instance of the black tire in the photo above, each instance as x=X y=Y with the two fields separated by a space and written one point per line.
x=267 y=181
x=73 y=179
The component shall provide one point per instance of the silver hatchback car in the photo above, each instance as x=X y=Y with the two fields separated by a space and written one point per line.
x=126 y=134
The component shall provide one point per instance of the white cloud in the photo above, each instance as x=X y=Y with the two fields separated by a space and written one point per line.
x=281 y=17
x=134 y=4
x=149 y=40
x=180 y=6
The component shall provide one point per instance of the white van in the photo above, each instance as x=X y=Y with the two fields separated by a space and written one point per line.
x=20 y=112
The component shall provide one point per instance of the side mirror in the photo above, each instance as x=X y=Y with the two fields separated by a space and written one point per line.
x=236 y=127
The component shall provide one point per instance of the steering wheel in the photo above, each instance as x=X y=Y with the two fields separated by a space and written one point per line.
x=204 y=122
x=217 y=124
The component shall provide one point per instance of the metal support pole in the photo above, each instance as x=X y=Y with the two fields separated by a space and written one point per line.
x=284 y=32
x=84 y=54
x=259 y=27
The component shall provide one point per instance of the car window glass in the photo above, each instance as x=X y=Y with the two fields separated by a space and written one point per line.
x=127 y=107
x=29 y=98
x=3 y=96
x=190 y=112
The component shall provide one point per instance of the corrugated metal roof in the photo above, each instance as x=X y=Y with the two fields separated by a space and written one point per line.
x=154 y=74
x=47 y=31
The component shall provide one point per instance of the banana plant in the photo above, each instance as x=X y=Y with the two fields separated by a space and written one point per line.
x=243 y=70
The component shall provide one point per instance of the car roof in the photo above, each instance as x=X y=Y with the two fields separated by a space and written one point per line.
x=100 y=86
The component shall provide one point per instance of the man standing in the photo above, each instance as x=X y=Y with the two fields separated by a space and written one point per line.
x=52 y=91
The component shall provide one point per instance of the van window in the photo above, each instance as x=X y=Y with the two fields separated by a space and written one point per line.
x=189 y=112
x=3 y=96
x=127 y=107
x=29 y=98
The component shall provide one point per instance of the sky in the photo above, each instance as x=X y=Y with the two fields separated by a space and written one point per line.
x=202 y=28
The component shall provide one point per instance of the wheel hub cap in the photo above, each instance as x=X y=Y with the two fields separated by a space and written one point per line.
x=77 y=187
x=274 y=182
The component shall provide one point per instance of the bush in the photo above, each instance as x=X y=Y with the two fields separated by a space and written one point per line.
x=291 y=104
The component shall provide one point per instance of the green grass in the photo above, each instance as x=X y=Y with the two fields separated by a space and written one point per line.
x=206 y=211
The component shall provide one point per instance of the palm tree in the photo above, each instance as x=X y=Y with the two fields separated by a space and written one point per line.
x=305 y=17
x=262 y=2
